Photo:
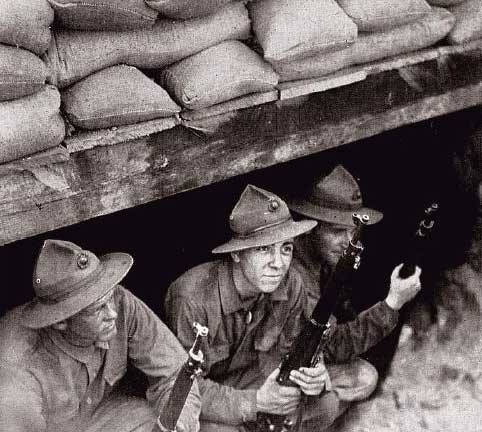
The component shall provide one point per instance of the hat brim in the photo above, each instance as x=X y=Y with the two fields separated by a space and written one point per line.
x=278 y=233
x=335 y=216
x=115 y=266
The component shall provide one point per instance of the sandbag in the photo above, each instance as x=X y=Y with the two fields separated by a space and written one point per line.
x=21 y=73
x=373 y=46
x=103 y=15
x=25 y=23
x=218 y=74
x=116 y=96
x=468 y=22
x=30 y=124
x=186 y=9
x=293 y=29
x=379 y=15
x=445 y=3
x=73 y=54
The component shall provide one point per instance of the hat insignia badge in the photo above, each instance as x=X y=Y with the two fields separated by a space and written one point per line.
x=82 y=260
x=273 y=205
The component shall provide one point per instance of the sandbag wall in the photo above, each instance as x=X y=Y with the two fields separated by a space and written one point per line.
x=104 y=64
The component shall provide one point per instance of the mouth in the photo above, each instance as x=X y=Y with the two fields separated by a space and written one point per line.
x=109 y=327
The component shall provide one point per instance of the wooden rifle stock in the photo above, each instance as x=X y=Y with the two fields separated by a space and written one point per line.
x=424 y=228
x=315 y=333
x=167 y=420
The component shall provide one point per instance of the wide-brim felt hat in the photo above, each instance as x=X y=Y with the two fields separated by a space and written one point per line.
x=67 y=279
x=333 y=199
x=261 y=218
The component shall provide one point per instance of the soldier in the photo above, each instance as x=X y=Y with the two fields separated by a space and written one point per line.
x=253 y=303
x=63 y=354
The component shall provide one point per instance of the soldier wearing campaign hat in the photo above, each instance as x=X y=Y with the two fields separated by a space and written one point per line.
x=63 y=354
x=331 y=200
x=253 y=302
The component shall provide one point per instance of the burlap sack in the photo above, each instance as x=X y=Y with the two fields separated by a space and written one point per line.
x=102 y=15
x=218 y=74
x=74 y=55
x=21 y=73
x=30 y=124
x=116 y=96
x=379 y=15
x=25 y=23
x=373 y=46
x=186 y=9
x=468 y=22
x=294 y=29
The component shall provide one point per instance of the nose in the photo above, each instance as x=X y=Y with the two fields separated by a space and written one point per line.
x=276 y=260
x=110 y=311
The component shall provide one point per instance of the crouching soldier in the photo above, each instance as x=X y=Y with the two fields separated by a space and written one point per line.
x=62 y=355
x=253 y=303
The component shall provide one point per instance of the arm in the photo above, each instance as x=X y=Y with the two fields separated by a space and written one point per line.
x=154 y=350
x=354 y=338
x=20 y=402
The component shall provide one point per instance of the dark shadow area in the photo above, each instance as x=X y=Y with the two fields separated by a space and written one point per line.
x=400 y=173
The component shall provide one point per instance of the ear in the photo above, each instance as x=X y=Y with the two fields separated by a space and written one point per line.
x=60 y=326
x=235 y=257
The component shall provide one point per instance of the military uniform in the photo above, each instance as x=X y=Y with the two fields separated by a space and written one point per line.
x=73 y=388
x=247 y=341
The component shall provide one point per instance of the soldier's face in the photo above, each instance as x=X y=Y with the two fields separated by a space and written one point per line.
x=330 y=240
x=265 y=267
x=96 y=323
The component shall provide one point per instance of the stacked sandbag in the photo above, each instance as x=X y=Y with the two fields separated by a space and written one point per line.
x=380 y=15
x=218 y=74
x=74 y=55
x=293 y=29
x=118 y=95
x=445 y=3
x=187 y=9
x=30 y=119
x=30 y=124
x=373 y=46
x=468 y=24
x=103 y=15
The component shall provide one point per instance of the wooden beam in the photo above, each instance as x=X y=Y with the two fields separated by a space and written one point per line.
x=107 y=178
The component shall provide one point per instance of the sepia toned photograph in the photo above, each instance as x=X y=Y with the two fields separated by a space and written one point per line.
x=241 y=215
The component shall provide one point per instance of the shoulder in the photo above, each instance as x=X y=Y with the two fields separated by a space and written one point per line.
x=196 y=281
x=17 y=342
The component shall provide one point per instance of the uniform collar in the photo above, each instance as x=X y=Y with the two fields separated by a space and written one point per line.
x=79 y=353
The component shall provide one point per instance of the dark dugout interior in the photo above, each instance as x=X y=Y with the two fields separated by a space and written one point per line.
x=400 y=173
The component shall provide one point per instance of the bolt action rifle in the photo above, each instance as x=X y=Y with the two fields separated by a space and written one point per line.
x=309 y=345
x=167 y=420
x=419 y=242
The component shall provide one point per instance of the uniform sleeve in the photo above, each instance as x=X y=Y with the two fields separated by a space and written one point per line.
x=220 y=403
x=154 y=350
x=355 y=337
x=20 y=402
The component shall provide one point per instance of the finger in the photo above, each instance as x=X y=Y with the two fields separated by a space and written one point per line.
x=273 y=375
x=318 y=370
x=311 y=386
x=289 y=392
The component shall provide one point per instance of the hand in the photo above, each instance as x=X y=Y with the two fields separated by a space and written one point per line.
x=403 y=290
x=277 y=399
x=312 y=381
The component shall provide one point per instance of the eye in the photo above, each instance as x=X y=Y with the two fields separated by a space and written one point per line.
x=262 y=248
x=287 y=249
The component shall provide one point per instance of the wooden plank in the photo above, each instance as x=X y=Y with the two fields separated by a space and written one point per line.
x=292 y=89
x=108 y=178
x=47 y=157
x=103 y=137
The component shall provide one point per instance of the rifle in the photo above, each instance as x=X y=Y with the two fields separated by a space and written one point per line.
x=424 y=228
x=167 y=420
x=316 y=331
